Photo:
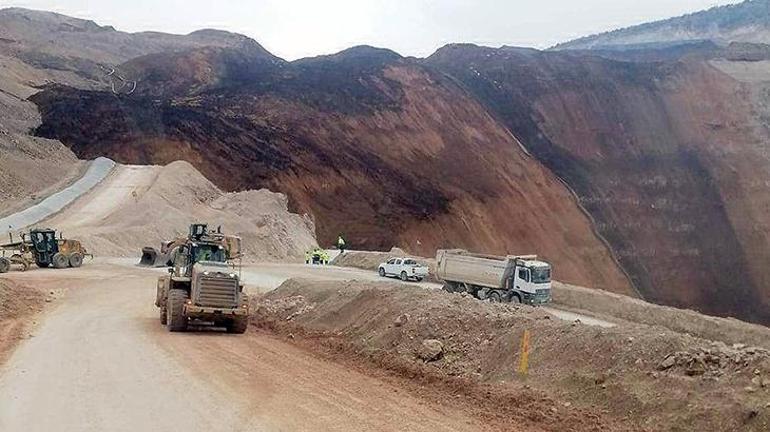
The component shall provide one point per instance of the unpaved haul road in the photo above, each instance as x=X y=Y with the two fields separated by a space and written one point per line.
x=100 y=361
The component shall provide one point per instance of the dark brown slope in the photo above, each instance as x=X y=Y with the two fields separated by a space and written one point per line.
x=666 y=156
x=375 y=146
x=42 y=47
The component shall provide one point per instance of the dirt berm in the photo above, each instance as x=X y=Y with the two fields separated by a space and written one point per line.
x=631 y=377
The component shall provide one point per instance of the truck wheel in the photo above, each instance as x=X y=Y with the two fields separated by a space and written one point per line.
x=404 y=277
x=494 y=297
x=5 y=265
x=60 y=261
x=239 y=325
x=76 y=260
x=515 y=299
x=381 y=272
x=163 y=317
x=175 y=318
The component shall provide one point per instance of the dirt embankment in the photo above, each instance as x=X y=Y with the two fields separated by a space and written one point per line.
x=611 y=305
x=632 y=377
x=370 y=260
x=142 y=206
x=18 y=305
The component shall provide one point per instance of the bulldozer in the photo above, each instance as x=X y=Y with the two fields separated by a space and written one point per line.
x=202 y=285
x=43 y=248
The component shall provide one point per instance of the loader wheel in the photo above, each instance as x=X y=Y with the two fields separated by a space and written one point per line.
x=176 y=321
x=163 y=316
x=404 y=277
x=381 y=272
x=5 y=265
x=76 y=260
x=239 y=325
x=60 y=261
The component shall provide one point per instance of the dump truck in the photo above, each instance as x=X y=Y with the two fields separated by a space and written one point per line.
x=512 y=278
x=42 y=247
x=203 y=285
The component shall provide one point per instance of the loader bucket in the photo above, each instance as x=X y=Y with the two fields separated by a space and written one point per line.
x=149 y=256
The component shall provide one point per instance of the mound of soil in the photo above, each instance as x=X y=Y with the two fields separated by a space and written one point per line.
x=580 y=377
x=179 y=196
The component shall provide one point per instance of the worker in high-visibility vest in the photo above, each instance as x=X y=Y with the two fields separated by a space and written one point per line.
x=341 y=244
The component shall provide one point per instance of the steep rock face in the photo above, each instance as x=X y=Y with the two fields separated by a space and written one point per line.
x=666 y=156
x=377 y=147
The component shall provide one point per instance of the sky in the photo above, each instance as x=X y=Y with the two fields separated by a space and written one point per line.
x=293 y=29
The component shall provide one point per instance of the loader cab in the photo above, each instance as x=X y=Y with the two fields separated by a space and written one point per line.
x=197 y=231
x=44 y=245
x=44 y=241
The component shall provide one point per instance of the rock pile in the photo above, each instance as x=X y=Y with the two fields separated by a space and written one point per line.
x=715 y=360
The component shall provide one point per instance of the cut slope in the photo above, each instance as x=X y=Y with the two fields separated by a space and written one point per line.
x=668 y=159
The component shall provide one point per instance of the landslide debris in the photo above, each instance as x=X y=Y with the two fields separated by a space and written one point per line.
x=574 y=369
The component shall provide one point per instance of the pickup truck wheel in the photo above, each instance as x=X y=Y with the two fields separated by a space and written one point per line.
x=404 y=277
x=382 y=272
x=494 y=297
x=419 y=279
x=175 y=318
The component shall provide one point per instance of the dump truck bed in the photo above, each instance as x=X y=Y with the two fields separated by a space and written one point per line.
x=477 y=269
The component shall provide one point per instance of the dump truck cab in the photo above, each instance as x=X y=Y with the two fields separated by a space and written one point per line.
x=202 y=285
x=530 y=281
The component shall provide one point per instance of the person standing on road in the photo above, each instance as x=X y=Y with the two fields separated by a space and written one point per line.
x=341 y=244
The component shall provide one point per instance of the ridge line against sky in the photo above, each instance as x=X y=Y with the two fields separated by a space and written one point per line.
x=294 y=29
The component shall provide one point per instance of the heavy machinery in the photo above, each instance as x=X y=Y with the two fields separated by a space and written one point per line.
x=42 y=247
x=164 y=257
x=518 y=279
x=203 y=285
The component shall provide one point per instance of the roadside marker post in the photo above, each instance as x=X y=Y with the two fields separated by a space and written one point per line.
x=524 y=354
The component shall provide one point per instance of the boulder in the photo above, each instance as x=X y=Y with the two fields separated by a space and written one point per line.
x=430 y=350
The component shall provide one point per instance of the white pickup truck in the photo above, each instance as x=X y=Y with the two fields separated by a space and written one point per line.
x=404 y=268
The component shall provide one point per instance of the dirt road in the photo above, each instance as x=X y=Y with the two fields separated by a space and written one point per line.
x=100 y=361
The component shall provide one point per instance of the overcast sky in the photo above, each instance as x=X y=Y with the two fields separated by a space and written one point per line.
x=299 y=28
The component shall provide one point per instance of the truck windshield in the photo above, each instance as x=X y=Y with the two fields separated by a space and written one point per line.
x=541 y=274
x=209 y=253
